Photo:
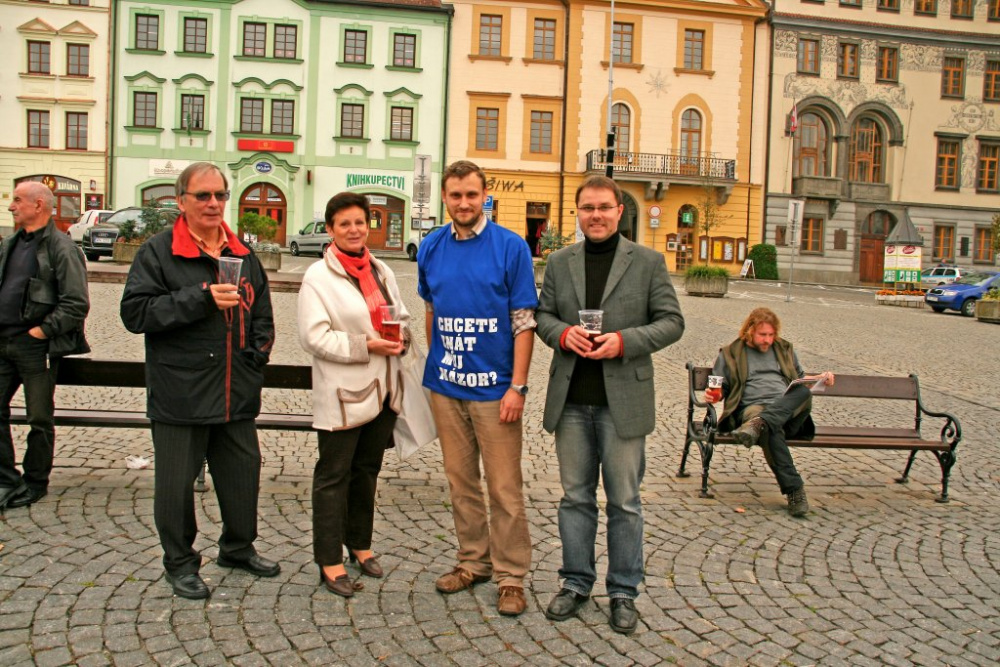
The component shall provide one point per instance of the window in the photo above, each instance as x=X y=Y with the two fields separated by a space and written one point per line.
x=144 y=109
x=993 y=11
x=78 y=60
x=808 y=57
x=989 y=157
x=690 y=141
x=355 y=46
x=812 y=235
x=195 y=35
x=38 y=129
x=694 y=46
x=944 y=243
x=545 y=40
x=811 y=147
x=621 y=121
x=888 y=5
x=866 y=146
x=147 y=32
x=490 y=32
x=888 y=64
x=847 y=60
x=983 y=251
x=991 y=81
x=285 y=38
x=39 y=58
x=76 y=131
x=541 y=132
x=83 y=3
x=251 y=115
x=352 y=120
x=487 y=129
x=953 y=77
x=925 y=7
x=947 y=163
x=404 y=50
x=961 y=9
x=282 y=117
x=621 y=42
x=402 y=124
x=850 y=3
x=254 y=39
x=193 y=112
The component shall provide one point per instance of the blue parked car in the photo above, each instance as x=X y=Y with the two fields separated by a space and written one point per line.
x=962 y=294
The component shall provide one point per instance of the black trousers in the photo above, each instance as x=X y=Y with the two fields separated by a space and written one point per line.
x=784 y=417
x=233 y=454
x=344 y=485
x=24 y=361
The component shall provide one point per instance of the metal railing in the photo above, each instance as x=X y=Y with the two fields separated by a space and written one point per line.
x=670 y=164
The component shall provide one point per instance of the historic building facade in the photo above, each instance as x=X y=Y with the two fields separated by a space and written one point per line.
x=883 y=111
x=297 y=99
x=54 y=103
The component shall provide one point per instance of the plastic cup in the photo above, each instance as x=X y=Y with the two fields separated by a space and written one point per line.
x=229 y=270
x=592 y=321
x=714 y=389
x=391 y=326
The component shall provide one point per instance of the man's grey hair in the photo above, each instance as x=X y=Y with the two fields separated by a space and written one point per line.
x=194 y=170
x=35 y=191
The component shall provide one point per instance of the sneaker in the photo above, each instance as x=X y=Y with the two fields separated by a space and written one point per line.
x=749 y=433
x=624 y=616
x=798 y=505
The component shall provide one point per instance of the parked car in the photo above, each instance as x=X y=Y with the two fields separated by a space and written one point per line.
x=962 y=294
x=86 y=221
x=311 y=238
x=942 y=274
x=99 y=239
x=413 y=245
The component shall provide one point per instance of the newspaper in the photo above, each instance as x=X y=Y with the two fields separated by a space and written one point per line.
x=815 y=384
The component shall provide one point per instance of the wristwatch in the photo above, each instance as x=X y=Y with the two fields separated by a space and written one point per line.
x=522 y=389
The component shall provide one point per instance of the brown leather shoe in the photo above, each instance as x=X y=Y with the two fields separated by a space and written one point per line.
x=368 y=567
x=459 y=579
x=342 y=585
x=511 y=602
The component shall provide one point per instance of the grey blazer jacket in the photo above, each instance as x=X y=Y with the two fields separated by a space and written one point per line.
x=639 y=301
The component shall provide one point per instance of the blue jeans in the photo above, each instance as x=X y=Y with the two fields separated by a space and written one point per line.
x=587 y=446
x=24 y=361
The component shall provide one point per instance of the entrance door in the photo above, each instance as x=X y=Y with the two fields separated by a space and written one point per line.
x=266 y=199
x=376 y=228
x=871 y=260
x=627 y=224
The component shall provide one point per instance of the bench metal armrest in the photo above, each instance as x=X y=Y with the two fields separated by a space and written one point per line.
x=951 y=430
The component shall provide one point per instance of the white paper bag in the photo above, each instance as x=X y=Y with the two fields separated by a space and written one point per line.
x=415 y=423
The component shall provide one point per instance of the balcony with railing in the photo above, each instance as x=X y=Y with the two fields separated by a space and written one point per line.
x=660 y=171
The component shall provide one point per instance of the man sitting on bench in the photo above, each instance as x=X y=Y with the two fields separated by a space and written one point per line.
x=757 y=368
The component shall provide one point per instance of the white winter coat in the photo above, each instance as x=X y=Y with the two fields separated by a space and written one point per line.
x=349 y=385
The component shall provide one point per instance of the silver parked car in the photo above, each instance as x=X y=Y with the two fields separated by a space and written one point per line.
x=942 y=274
x=311 y=238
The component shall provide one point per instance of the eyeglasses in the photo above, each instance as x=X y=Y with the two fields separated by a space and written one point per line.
x=207 y=196
x=590 y=208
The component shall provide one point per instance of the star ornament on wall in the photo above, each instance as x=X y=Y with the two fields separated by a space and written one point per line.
x=657 y=83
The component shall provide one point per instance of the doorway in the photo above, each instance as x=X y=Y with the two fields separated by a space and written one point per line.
x=871 y=260
x=385 y=231
x=627 y=224
x=536 y=217
x=266 y=199
x=687 y=218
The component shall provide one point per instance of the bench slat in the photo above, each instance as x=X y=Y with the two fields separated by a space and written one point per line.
x=846 y=386
x=84 y=372
x=135 y=419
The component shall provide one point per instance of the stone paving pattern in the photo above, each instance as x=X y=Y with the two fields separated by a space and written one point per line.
x=877 y=574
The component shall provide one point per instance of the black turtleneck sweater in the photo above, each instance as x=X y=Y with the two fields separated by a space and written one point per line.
x=587 y=384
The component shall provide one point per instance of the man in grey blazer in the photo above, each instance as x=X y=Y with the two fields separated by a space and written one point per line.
x=600 y=396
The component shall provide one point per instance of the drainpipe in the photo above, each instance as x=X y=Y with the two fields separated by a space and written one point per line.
x=109 y=117
x=753 y=100
x=444 y=126
x=767 y=135
x=565 y=104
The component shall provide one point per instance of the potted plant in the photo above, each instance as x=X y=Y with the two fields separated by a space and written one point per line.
x=134 y=231
x=988 y=308
x=550 y=241
x=705 y=280
x=261 y=230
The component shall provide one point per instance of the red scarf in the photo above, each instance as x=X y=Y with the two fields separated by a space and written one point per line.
x=361 y=269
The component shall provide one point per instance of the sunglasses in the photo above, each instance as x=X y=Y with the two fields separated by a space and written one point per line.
x=207 y=196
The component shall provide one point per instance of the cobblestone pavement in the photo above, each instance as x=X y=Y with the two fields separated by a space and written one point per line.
x=877 y=574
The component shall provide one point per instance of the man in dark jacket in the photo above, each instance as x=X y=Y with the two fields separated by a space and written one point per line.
x=43 y=303
x=206 y=346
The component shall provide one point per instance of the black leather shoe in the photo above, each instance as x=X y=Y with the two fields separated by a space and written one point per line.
x=7 y=493
x=188 y=586
x=262 y=567
x=565 y=604
x=30 y=496
x=624 y=616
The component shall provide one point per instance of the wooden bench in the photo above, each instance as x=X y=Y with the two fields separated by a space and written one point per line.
x=705 y=432
x=83 y=372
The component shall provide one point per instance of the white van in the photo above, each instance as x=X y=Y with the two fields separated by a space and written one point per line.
x=86 y=221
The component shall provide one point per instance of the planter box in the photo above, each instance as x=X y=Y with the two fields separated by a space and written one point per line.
x=124 y=252
x=988 y=310
x=539 y=273
x=270 y=261
x=716 y=286
x=902 y=300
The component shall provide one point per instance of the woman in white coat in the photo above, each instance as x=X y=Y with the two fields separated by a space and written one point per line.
x=356 y=388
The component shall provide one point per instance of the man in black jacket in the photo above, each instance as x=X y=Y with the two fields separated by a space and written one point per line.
x=206 y=346
x=43 y=303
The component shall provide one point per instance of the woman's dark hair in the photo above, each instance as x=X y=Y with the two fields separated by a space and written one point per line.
x=344 y=200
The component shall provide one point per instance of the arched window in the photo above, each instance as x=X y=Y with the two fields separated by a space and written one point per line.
x=879 y=223
x=690 y=141
x=812 y=148
x=621 y=122
x=159 y=193
x=867 y=155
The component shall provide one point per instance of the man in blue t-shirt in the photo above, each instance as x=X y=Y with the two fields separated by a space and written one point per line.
x=478 y=283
